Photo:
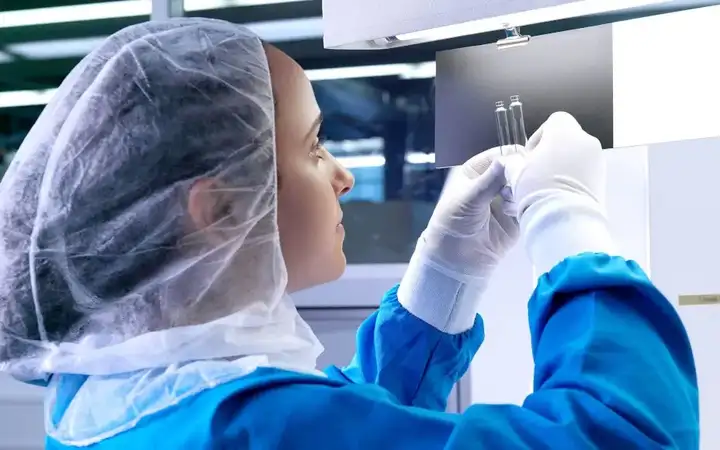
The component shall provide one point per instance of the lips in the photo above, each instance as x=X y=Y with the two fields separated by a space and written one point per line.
x=341 y=218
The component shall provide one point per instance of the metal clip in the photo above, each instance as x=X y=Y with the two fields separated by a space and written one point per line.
x=386 y=42
x=513 y=38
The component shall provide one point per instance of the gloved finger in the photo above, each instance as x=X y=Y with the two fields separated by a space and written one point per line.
x=478 y=164
x=510 y=209
x=508 y=204
x=557 y=122
x=505 y=215
x=483 y=189
x=506 y=193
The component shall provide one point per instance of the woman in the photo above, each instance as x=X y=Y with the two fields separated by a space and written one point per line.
x=175 y=191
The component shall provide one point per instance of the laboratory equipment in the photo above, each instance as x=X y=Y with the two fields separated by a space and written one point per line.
x=518 y=121
x=503 y=127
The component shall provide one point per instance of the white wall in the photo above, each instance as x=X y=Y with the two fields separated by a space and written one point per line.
x=665 y=78
x=685 y=250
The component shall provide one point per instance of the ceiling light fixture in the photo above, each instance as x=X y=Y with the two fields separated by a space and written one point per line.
x=271 y=31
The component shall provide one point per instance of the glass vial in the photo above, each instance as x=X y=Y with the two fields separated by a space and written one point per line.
x=518 y=121
x=503 y=128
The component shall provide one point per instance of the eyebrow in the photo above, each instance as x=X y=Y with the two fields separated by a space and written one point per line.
x=315 y=125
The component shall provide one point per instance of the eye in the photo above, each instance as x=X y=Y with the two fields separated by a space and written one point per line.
x=318 y=148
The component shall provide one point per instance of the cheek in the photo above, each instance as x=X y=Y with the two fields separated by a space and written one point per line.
x=307 y=219
x=307 y=213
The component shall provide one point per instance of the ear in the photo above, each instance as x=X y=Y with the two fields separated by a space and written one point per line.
x=206 y=203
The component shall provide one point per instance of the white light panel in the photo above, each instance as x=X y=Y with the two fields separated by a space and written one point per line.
x=270 y=31
x=111 y=10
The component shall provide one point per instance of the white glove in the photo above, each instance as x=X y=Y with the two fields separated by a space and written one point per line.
x=559 y=191
x=464 y=241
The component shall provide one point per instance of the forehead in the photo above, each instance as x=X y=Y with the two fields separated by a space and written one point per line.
x=294 y=96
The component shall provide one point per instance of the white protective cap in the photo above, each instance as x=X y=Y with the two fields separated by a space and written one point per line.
x=101 y=268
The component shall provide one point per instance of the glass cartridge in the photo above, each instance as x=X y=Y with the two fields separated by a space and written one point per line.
x=503 y=128
x=518 y=121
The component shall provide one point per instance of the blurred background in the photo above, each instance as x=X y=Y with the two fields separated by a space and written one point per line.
x=378 y=106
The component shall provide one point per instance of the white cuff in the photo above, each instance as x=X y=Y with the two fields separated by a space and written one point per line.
x=438 y=299
x=561 y=225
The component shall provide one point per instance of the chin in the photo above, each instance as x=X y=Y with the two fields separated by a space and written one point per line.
x=331 y=271
x=341 y=266
x=335 y=269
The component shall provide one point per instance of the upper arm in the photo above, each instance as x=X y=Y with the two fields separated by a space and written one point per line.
x=612 y=355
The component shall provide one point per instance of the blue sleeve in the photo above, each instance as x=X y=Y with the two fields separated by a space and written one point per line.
x=411 y=359
x=613 y=370
x=613 y=367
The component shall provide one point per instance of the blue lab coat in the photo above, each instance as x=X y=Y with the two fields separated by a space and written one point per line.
x=613 y=370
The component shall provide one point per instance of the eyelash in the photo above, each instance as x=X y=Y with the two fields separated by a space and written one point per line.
x=318 y=147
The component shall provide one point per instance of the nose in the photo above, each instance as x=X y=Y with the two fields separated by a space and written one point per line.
x=343 y=179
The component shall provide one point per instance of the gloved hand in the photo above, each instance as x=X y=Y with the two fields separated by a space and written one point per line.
x=559 y=186
x=464 y=241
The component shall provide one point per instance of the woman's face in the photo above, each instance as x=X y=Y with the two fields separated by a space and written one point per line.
x=311 y=181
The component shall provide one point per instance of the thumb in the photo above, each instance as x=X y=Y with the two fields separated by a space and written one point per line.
x=485 y=187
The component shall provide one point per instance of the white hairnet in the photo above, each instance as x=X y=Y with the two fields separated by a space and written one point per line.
x=101 y=268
